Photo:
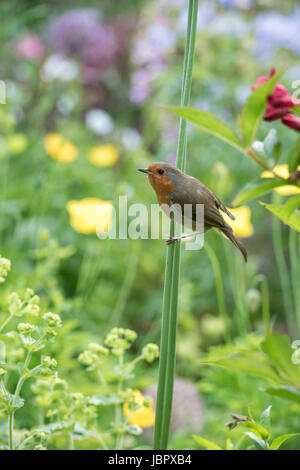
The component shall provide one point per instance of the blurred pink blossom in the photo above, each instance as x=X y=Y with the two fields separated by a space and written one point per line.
x=31 y=47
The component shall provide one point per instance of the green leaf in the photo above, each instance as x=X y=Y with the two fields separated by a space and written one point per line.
x=264 y=420
x=98 y=400
x=280 y=440
x=278 y=349
x=134 y=429
x=257 y=429
x=270 y=142
x=286 y=392
x=256 y=439
x=207 y=122
x=255 y=107
x=295 y=110
x=207 y=444
x=254 y=364
x=257 y=189
x=287 y=212
x=293 y=157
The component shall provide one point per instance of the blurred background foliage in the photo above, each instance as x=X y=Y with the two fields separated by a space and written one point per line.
x=84 y=77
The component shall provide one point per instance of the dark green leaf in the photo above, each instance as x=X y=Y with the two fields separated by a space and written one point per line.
x=278 y=349
x=286 y=392
x=294 y=156
x=257 y=189
x=280 y=440
x=287 y=212
x=208 y=123
x=207 y=444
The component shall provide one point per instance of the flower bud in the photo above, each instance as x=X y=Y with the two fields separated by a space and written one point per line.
x=150 y=352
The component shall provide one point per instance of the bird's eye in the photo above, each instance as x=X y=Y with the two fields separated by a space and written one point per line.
x=161 y=172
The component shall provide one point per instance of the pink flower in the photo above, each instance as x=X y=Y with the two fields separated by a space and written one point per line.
x=279 y=104
x=31 y=47
x=262 y=80
x=292 y=121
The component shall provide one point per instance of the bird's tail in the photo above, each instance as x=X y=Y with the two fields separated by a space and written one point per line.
x=237 y=243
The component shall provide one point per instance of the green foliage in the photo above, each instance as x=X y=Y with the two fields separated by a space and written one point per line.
x=288 y=213
x=258 y=438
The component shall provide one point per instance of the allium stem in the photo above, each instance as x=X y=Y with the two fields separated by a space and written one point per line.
x=170 y=299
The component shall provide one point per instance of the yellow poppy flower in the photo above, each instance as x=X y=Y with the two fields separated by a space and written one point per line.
x=242 y=226
x=59 y=148
x=90 y=215
x=104 y=155
x=144 y=416
x=283 y=171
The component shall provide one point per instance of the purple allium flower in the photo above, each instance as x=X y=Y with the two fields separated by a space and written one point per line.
x=80 y=33
x=273 y=30
x=187 y=411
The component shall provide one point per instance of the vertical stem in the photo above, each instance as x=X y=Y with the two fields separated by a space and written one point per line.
x=282 y=269
x=170 y=299
x=295 y=273
x=220 y=290
x=11 y=414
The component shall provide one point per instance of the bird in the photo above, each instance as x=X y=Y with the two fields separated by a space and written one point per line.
x=173 y=187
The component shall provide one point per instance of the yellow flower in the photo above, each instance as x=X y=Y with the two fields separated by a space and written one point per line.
x=104 y=155
x=90 y=215
x=283 y=171
x=60 y=148
x=144 y=416
x=242 y=226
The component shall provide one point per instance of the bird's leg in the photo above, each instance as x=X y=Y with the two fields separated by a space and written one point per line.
x=176 y=239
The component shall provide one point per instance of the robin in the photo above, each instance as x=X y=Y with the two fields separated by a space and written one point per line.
x=173 y=187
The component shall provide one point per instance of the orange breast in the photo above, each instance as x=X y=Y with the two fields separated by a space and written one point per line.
x=163 y=187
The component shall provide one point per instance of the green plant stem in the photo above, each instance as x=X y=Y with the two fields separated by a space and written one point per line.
x=11 y=412
x=8 y=318
x=295 y=272
x=118 y=414
x=265 y=294
x=282 y=268
x=220 y=290
x=170 y=299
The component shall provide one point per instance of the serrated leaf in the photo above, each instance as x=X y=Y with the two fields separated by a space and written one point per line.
x=207 y=122
x=98 y=400
x=257 y=189
x=255 y=107
x=134 y=429
x=206 y=443
x=293 y=157
x=276 y=443
x=278 y=349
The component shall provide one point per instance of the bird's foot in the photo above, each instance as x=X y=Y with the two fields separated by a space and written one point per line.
x=172 y=240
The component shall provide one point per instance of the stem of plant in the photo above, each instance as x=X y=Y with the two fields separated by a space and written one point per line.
x=282 y=268
x=220 y=290
x=170 y=299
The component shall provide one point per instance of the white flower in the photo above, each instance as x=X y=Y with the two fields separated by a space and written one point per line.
x=131 y=139
x=58 y=67
x=99 y=122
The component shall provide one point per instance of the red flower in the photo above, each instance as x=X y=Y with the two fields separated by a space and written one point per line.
x=292 y=121
x=279 y=104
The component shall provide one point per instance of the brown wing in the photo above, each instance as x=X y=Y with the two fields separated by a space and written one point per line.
x=193 y=192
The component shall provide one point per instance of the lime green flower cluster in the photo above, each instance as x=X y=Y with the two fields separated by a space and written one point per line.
x=120 y=339
x=5 y=267
x=30 y=304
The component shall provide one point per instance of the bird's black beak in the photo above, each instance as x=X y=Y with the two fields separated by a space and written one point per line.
x=144 y=170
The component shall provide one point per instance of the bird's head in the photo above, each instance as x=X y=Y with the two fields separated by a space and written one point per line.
x=162 y=176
